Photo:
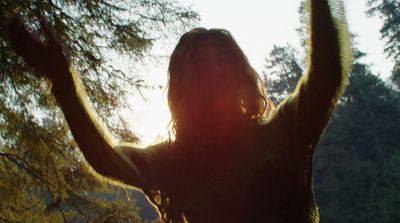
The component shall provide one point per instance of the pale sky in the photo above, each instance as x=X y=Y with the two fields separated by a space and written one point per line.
x=256 y=25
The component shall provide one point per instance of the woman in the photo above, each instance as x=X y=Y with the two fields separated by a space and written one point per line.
x=227 y=164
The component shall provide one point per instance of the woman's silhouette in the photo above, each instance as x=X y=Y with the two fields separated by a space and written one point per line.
x=228 y=163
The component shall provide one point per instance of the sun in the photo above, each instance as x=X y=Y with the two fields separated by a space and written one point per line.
x=150 y=117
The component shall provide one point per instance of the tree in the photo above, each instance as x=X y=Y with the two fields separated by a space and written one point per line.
x=285 y=64
x=283 y=71
x=389 y=12
x=395 y=77
x=302 y=30
x=44 y=176
x=384 y=204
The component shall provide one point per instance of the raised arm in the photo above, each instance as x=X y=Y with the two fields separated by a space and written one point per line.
x=307 y=111
x=96 y=144
x=330 y=56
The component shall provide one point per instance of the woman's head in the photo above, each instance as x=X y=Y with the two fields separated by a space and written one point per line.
x=210 y=77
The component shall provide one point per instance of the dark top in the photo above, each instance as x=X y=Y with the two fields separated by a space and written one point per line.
x=262 y=174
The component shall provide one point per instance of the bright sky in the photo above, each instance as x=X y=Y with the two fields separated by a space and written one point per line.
x=256 y=25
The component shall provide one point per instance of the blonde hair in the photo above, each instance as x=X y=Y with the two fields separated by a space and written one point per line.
x=251 y=95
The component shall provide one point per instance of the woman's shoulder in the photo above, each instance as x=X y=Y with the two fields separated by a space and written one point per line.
x=159 y=147
x=154 y=152
x=148 y=156
x=271 y=137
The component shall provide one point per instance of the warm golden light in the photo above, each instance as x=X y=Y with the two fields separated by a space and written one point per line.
x=150 y=118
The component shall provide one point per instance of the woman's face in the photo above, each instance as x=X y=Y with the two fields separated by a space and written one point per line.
x=215 y=71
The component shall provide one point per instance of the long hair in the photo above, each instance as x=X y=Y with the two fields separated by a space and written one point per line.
x=251 y=95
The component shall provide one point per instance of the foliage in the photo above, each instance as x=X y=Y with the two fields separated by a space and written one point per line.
x=396 y=75
x=389 y=12
x=386 y=193
x=44 y=177
x=302 y=30
x=283 y=71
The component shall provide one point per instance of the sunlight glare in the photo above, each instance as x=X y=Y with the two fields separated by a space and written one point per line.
x=150 y=118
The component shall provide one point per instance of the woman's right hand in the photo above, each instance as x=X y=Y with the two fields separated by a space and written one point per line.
x=46 y=58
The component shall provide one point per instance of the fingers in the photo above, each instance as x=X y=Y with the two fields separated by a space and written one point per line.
x=48 y=29
x=47 y=58
x=18 y=35
x=28 y=46
x=25 y=44
x=54 y=42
